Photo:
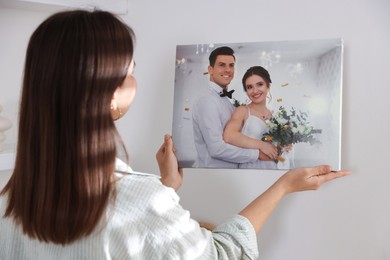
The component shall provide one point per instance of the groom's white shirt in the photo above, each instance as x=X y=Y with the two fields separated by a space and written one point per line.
x=209 y=116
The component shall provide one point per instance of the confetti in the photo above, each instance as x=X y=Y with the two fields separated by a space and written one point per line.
x=279 y=100
x=285 y=85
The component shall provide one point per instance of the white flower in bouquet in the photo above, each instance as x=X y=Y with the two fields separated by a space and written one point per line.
x=281 y=121
x=290 y=128
x=307 y=130
x=301 y=129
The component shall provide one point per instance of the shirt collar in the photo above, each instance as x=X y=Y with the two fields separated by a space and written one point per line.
x=122 y=168
x=215 y=87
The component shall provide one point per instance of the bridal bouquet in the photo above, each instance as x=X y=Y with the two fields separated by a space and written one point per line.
x=290 y=128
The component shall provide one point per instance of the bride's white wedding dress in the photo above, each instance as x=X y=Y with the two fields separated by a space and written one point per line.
x=255 y=128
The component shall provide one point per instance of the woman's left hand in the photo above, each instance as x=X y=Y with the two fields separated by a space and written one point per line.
x=171 y=174
x=301 y=179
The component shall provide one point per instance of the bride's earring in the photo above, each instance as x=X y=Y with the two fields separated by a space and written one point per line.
x=269 y=96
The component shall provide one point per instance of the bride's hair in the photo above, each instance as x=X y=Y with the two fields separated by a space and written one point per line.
x=261 y=72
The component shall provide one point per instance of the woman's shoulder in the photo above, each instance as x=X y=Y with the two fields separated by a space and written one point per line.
x=138 y=182
x=3 y=203
x=242 y=108
x=133 y=183
x=241 y=111
x=136 y=187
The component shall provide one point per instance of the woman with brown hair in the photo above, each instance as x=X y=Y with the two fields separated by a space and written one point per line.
x=248 y=123
x=69 y=197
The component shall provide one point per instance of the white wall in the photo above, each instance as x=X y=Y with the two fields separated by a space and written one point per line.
x=346 y=219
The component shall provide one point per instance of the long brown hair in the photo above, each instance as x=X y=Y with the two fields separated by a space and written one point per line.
x=63 y=176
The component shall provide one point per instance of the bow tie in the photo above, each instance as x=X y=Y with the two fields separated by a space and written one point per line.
x=226 y=93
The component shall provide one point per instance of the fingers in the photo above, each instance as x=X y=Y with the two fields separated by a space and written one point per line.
x=273 y=154
x=323 y=169
x=168 y=142
x=335 y=174
x=165 y=146
x=327 y=170
x=160 y=151
x=300 y=179
x=325 y=173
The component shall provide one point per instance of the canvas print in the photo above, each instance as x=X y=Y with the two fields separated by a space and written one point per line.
x=259 y=105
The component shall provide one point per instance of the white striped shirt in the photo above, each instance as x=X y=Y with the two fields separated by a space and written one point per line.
x=145 y=222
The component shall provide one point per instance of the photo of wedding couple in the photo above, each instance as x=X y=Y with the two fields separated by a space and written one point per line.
x=264 y=105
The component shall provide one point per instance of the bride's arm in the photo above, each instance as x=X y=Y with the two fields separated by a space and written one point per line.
x=232 y=134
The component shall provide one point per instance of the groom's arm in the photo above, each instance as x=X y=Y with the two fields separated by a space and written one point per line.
x=207 y=116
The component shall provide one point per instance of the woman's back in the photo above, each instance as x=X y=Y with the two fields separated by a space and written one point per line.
x=144 y=222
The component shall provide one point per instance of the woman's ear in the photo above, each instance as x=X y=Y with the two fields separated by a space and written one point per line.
x=114 y=104
x=123 y=97
x=116 y=112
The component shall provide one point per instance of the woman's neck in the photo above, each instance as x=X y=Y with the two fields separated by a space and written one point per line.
x=260 y=110
x=261 y=107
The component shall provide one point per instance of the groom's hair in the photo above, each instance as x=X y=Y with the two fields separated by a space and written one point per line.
x=224 y=50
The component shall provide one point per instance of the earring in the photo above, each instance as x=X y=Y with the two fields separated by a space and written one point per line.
x=116 y=112
x=269 y=97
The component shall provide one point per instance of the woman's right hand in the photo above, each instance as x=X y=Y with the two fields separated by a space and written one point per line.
x=269 y=150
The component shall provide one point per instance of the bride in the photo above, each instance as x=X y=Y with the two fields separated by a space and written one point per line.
x=248 y=123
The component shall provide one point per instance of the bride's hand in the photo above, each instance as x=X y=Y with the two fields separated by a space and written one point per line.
x=268 y=149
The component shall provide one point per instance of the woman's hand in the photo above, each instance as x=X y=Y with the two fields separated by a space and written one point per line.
x=171 y=175
x=268 y=149
x=302 y=179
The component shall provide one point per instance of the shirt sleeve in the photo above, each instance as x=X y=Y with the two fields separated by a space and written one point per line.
x=234 y=239
x=208 y=116
x=159 y=228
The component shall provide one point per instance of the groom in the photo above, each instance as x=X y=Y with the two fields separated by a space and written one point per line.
x=210 y=114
